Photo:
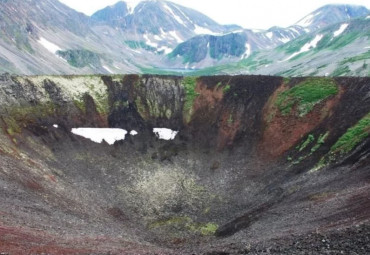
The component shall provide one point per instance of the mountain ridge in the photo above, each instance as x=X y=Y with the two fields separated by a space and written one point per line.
x=152 y=37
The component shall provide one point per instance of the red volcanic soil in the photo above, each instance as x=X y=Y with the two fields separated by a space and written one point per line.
x=22 y=241
x=283 y=132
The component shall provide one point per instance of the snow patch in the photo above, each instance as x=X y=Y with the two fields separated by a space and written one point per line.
x=108 y=70
x=177 y=18
x=174 y=35
x=284 y=39
x=204 y=31
x=307 y=46
x=165 y=49
x=150 y=43
x=133 y=132
x=156 y=37
x=269 y=35
x=53 y=48
x=368 y=17
x=341 y=29
x=165 y=133
x=97 y=135
x=368 y=47
x=56 y=126
x=247 y=52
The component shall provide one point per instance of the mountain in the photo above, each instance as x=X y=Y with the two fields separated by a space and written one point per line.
x=331 y=14
x=157 y=23
x=342 y=49
x=47 y=37
x=206 y=49
x=200 y=52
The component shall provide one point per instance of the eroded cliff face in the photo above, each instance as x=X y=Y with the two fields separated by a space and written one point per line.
x=256 y=158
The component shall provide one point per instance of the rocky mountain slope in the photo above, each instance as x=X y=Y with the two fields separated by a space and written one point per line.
x=341 y=49
x=47 y=37
x=261 y=165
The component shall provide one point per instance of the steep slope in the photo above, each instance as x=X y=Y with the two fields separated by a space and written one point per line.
x=313 y=24
x=331 y=14
x=205 y=50
x=261 y=164
x=338 y=50
x=155 y=26
x=48 y=37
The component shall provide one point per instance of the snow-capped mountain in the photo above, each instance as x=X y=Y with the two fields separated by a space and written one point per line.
x=331 y=14
x=158 y=24
x=200 y=52
x=341 y=49
x=47 y=37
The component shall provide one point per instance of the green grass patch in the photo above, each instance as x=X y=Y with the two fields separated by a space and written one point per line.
x=306 y=95
x=226 y=88
x=363 y=56
x=352 y=137
x=189 y=84
x=309 y=140
x=320 y=141
x=341 y=70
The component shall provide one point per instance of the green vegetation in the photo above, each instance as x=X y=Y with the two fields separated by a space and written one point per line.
x=80 y=58
x=20 y=117
x=187 y=224
x=352 y=137
x=189 y=84
x=139 y=45
x=320 y=141
x=309 y=140
x=226 y=88
x=341 y=70
x=306 y=95
x=343 y=40
x=363 y=56
x=347 y=142
x=295 y=46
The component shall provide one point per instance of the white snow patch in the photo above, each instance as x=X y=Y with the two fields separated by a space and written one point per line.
x=148 y=42
x=174 y=35
x=183 y=14
x=269 y=35
x=165 y=133
x=53 y=48
x=56 y=126
x=368 y=47
x=177 y=18
x=133 y=132
x=203 y=31
x=97 y=135
x=247 y=52
x=107 y=68
x=368 y=17
x=165 y=49
x=341 y=29
x=285 y=39
x=156 y=37
x=307 y=46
